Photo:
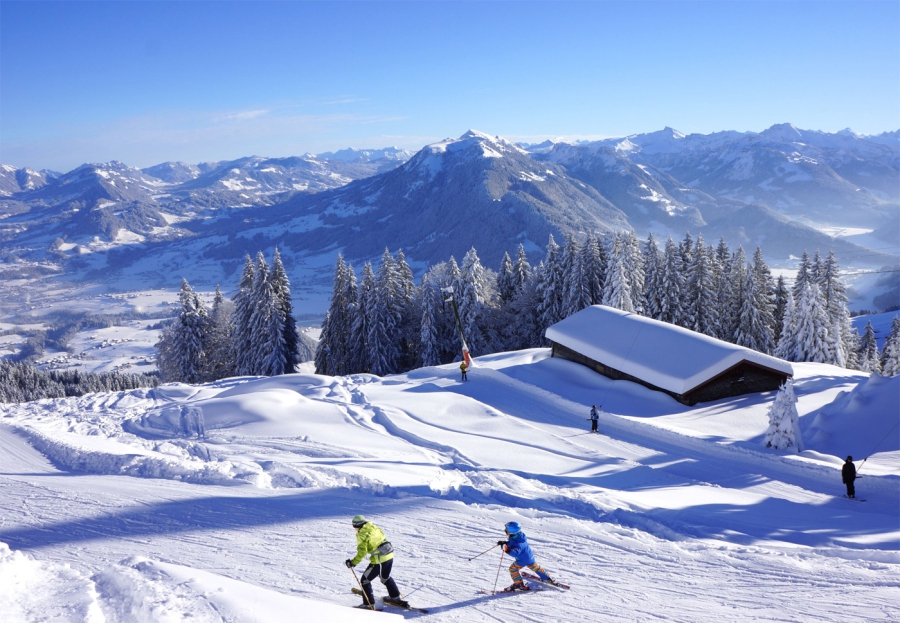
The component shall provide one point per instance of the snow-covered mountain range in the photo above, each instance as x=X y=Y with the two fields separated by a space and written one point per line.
x=784 y=188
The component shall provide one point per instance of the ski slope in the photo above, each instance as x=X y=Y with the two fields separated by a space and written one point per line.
x=232 y=501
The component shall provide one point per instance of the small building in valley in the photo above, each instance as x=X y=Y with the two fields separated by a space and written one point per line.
x=689 y=366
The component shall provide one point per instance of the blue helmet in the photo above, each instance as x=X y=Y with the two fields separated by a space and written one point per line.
x=512 y=528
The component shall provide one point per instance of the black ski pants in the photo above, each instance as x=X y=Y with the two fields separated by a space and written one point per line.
x=593 y=426
x=383 y=572
x=851 y=489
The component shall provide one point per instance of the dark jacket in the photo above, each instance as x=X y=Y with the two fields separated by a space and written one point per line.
x=848 y=472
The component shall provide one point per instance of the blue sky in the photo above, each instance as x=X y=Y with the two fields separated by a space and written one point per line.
x=146 y=82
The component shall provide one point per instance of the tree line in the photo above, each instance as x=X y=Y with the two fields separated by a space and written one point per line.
x=383 y=323
x=254 y=334
x=22 y=382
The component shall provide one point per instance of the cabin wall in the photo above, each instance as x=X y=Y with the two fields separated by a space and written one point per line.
x=744 y=378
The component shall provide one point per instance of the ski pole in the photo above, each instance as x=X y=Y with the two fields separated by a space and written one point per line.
x=365 y=595
x=861 y=464
x=497 y=579
x=481 y=554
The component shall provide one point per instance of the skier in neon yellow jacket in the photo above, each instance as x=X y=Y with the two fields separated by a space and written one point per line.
x=370 y=540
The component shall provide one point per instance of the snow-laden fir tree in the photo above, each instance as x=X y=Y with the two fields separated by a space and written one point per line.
x=217 y=340
x=267 y=323
x=385 y=314
x=867 y=355
x=781 y=297
x=189 y=336
x=331 y=352
x=835 y=293
x=244 y=304
x=784 y=421
x=701 y=312
x=593 y=262
x=550 y=286
x=617 y=292
x=787 y=344
x=284 y=358
x=802 y=277
x=506 y=283
x=476 y=293
x=633 y=262
x=653 y=278
x=521 y=269
x=686 y=248
x=671 y=294
x=724 y=291
x=576 y=280
x=756 y=318
x=429 y=335
x=812 y=326
x=409 y=315
x=890 y=354
x=739 y=276
x=359 y=350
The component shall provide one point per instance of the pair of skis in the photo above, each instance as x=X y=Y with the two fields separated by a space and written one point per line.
x=530 y=589
x=356 y=591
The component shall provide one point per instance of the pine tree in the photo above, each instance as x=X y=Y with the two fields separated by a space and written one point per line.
x=550 y=288
x=633 y=262
x=617 y=292
x=756 y=319
x=672 y=293
x=802 y=277
x=890 y=354
x=739 y=277
x=593 y=262
x=473 y=301
x=867 y=355
x=521 y=269
x=653 y=278
x=189 y=336
x=506 y=283
x=217 y=340
x=687 y=249
x=784 y=421
x=576 y=281
x=701 y=309
x=835 y=293
x=282 y=327
x=787 y=343
x=385 y=314
x=267 y=325
x=781 y=297
x=429 y=336
x=812 y=326
x=244 y=304
x=360 y=349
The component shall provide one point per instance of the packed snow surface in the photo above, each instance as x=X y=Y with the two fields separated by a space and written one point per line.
x=232 y=501
x=668 y=356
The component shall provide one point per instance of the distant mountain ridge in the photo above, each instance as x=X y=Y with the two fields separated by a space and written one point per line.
x=784 y=189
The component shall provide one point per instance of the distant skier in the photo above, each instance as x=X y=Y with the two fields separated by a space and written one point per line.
x=594 y=417
x=848 y=474
x=371 y=540
x=517 y=546
x=462 y=368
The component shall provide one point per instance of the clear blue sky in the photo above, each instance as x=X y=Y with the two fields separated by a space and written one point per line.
x=146 y=82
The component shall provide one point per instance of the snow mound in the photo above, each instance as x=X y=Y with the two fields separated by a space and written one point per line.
x=854 y=421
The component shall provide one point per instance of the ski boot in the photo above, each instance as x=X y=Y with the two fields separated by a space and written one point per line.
x=516 y=586
x=397 y=601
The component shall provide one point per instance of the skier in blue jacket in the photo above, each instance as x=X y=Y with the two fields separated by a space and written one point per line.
x=517 y=546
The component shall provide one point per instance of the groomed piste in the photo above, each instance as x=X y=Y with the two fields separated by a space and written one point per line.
x=232 y=501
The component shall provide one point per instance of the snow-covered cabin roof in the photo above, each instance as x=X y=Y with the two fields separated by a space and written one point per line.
x=665 y=355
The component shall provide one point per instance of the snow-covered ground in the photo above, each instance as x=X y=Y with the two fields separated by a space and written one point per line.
x=232 y=501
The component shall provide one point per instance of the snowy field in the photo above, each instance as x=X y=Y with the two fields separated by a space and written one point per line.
x=232 y=501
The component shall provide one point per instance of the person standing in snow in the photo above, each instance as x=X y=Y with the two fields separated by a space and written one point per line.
x=517 y=546
x=462 y=368
x=848 y=474
x=370 y=540
x=594 y=418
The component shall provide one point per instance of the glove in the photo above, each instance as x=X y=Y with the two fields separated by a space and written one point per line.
x=349 y=563
x=501 y=542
